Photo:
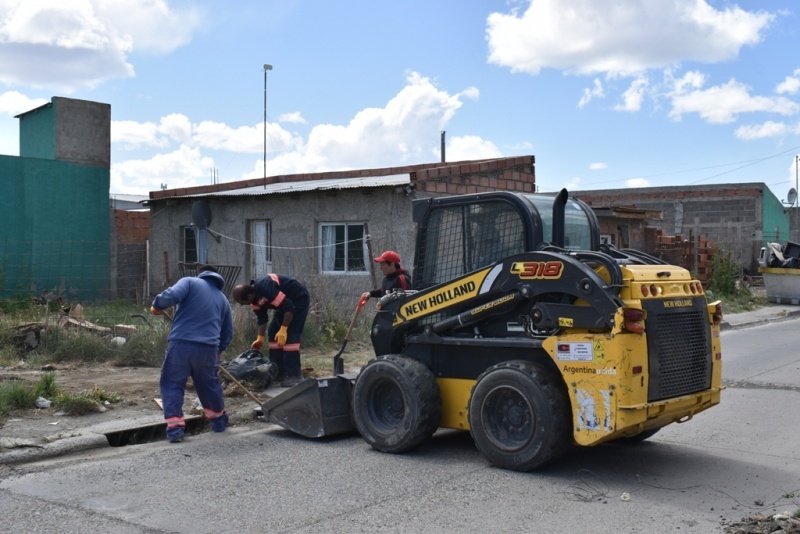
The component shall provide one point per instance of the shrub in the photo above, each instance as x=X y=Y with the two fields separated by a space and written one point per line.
x=724 y=272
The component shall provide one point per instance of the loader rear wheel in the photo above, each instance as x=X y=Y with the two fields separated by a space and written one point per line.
x=396 y=403
x=519 y=415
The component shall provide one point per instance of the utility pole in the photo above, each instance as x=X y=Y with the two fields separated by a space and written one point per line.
x=266 y=68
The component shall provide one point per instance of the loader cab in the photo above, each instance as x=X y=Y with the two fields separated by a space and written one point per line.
x=460 y=234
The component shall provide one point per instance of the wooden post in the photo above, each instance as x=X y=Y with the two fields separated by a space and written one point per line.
x=166 y=268
x=369 y=251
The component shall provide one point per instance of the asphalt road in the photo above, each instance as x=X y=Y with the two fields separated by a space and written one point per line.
x=737 y=459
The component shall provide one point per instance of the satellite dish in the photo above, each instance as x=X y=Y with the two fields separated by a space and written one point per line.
x=792 y=196
x=201 y=214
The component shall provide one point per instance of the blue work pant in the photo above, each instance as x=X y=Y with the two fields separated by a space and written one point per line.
x=201 y=362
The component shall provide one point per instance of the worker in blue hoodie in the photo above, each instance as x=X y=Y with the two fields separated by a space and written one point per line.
x=201 y=330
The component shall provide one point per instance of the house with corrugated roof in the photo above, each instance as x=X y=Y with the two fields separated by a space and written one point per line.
x=320 y=228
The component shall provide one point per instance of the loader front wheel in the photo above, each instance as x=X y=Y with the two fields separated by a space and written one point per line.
x=519 y=416
x=396 y=403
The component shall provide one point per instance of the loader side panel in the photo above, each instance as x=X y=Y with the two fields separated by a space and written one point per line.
x=678 y=346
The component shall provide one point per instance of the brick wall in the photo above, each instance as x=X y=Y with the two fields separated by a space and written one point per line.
x=132 y=230
x=132 y=226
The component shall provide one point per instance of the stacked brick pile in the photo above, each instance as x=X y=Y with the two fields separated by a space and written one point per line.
x=693 y=253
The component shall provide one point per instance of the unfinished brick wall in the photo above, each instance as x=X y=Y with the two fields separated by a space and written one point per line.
x=132 y=229
x=132 y=226
x=507 y=174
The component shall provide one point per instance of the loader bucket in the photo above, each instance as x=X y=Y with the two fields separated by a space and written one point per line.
x=315 y=407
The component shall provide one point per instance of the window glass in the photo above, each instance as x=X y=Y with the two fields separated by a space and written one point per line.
x=188 y=244
x=342 y=248
x=260 y=251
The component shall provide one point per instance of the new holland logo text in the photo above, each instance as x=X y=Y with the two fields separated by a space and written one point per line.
x=537 y=269
x=439 y=298
x=683 y=303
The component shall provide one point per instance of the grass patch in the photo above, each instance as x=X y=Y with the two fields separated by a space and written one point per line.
x=76 y=404
x=14 y=395
x=741 y=301
x=102 y=395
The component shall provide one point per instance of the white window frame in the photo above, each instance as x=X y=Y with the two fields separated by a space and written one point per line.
x=260 y=243
x=327 y=246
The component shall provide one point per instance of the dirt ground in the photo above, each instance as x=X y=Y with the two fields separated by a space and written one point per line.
x=138 y=389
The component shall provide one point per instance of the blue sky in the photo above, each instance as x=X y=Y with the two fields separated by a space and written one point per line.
x=604 y=93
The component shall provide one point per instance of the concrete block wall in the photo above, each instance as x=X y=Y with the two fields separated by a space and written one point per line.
x=729 y=214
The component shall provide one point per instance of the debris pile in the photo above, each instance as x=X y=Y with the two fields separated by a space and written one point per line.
x=760 y=524
x=781 y=256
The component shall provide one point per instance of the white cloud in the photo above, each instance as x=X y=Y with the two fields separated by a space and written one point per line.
x=598 y=166
x=637 y=182
x=790 y=85
x=13 y=103
x=589 y=94
x=764 y=130
x=632 y=98
x=82 y=43
x=295 y=118
x=406 y=130
x=470 y=147
x=471 y=93
x=184 y=167
x=587 y=37
x=723 y=103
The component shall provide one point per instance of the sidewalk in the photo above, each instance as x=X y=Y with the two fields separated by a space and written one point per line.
x=20 y=444
x=767 y=314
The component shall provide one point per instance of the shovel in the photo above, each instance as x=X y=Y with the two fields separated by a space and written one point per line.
x=338 y=363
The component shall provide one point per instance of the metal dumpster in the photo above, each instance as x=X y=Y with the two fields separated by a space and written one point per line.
x=783 y=285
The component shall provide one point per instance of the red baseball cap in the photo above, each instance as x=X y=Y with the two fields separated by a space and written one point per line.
x=390 y=255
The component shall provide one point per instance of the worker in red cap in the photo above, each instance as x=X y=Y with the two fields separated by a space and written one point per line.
x=395 y=278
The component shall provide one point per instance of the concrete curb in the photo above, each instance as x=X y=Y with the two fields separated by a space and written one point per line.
x=747 y=319
x=26 y=452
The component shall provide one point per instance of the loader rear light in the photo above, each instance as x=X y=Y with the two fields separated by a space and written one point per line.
x=637 y=369
x=699 y=288
x=633 y=320
x=692 y=289
x=717 y=315
x=652 y=289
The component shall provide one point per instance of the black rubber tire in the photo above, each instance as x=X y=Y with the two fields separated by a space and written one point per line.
x=519 y=416
x=396 y=403
x=637 y=438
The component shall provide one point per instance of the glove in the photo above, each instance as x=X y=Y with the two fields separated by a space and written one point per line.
x=280 y=337
x=258 y=342
x=365 y=295
x=155 y=311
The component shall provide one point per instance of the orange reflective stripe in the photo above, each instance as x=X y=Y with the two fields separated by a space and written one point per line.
x=273 y=345
x=211 y=414
x=254 y=308
x=291 y=347
x=275 y=278
x=172 y=422
x=279 y=298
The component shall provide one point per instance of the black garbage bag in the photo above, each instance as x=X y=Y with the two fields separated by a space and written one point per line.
x=253 y=367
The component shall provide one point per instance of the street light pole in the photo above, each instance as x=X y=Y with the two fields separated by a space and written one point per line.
x=266 y=68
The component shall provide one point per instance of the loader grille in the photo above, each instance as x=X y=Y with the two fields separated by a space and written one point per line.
x=679 y=349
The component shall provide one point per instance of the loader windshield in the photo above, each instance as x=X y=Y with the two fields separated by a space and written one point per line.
x=577 y=225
